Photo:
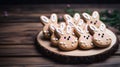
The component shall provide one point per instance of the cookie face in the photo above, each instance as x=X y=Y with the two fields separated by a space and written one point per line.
x=54 y=38
x=47 y=22
x=94 y=19
x=67 y=41
x=85 y=39
x=100 y=37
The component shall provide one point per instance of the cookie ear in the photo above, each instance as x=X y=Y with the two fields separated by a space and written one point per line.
x=52 y=27
x=44 y=20
x=62 y=26
x=76 y=16
x=102 y=27
x=79 y=30
x=86 y=28
x=80 y=22
x=67 y=17
x=93 y=28
x=69 y=20
x=59 y=31
x=54 y=18
x=68 y=29
x=95 y=15
x=86 y=16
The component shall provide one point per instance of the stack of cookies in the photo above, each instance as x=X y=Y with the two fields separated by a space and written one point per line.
x=78 y=32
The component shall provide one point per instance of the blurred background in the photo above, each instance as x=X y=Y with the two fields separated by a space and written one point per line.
x=59 y=1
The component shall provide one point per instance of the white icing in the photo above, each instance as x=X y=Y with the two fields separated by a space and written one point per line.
x=62 y=26
x=76 y=16
x=86 y=29
x=44 y=19
x=82 y=41
x=53 y=17
x=87 y=16
x=61 y=42
x=68 y=30
x=80 y=22
x=56 y=38
x=70 y=23
x=95 y=14
x=44 y=31
x=93 y=28
x=91 y=44
x=72 y=45
x=59 y=31
x=68 y=17
x=79 y=30
x=52 y=27
x=75 y=40
x=102 y=27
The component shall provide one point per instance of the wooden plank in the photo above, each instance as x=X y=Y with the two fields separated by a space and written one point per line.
x=11 y=66
x=22 y=33
x=24 y=60
x=24 y=18
x=19 y=50
x=18 y=13
x=26 y=50
x=19 y=33
x=17 y=39
x=57 y=7
x=27 y=61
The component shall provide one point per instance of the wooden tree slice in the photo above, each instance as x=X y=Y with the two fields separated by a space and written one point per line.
x=77 y=56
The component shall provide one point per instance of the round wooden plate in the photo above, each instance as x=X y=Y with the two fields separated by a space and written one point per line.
x=77 y=56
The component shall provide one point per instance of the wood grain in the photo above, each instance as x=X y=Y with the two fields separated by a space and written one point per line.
x=19 y=25
x=44 y=61
x=20 y=13
x=17 y=39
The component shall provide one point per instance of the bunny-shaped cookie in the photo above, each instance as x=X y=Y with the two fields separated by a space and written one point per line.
x=67 y=41
x=46 y=22
x=54 y=39
x=100 y=36
x=74 y=21
x=85 y=39
x=94 y=19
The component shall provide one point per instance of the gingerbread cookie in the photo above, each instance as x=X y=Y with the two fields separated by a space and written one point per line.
x=46 y=22
x=100 y=37
x=67 y=41
x=54 y=38
x=74 y=21
x=94 y=19
x=85 y=39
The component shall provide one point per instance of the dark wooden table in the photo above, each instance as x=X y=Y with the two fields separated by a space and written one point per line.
x=19 y=25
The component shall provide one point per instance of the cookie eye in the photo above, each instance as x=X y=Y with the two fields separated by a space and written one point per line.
x=95 y=22
x=102 y=35
x=91 y=22
x=88 y=37
x=68 y=38
x=99 y=34
x=84 y=36
x=64 y=37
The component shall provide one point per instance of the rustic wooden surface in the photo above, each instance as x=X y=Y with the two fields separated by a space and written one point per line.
x=19 y=25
